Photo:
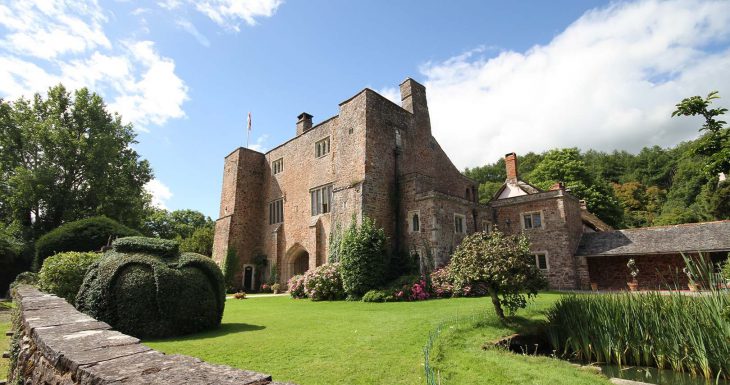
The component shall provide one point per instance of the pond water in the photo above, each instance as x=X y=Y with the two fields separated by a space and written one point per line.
x=537 y=344
x=657 y=376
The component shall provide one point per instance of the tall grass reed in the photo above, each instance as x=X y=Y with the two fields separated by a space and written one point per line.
x=668 y=330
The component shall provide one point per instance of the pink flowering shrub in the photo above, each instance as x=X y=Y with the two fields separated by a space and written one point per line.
x=442 y=285
x=296 y=286
x=324 y=283
x=408 y=290
x=265 y=288
x=419 y=291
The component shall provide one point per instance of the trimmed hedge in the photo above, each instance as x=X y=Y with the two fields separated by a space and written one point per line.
x=378 y=296
x=161 y=247
x=63 y=273
x=149 y=293
x=89 y=234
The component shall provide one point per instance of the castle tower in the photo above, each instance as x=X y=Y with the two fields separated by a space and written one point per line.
x=241 y=206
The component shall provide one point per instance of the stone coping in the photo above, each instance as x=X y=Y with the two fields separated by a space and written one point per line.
x=61 y=344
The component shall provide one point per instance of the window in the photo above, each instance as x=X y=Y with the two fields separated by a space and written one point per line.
x=322 y=147
x=321 y=199
x=459 y=224
x=277 y=166
x=486 y=226
x=541 y=261
x=532 y=220
x=414 y=222
x=276 y=211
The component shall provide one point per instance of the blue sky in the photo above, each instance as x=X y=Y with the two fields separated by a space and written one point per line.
x=501 y=76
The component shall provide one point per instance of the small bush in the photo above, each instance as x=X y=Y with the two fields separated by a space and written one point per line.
x=162 y=247
x=324 y=283
x=275 y=288
x=362 y=256
x=63 y=273
x=89 y=234
x=239 y=295
x=151 y=295
x=25 y=278
x=442 y=285
x=296 y=287
x=378 y=296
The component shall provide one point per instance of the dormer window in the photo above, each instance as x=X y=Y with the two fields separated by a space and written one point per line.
x=322 y=147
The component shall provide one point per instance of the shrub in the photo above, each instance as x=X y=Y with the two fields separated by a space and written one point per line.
x=63 y=273
x=296 y=287
x=503 y=263
x=231 y=266
x=150 y=293
x=362 y=256
x=378 y=296
x=25 y=278
x=89 y=234
x=324 y=283
x=413 y=291
x=726 y=270
x=442 y=285
x=239 y=295
x=275 y=288
x=14 y=259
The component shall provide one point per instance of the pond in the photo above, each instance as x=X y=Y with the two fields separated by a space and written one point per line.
x=657 y=376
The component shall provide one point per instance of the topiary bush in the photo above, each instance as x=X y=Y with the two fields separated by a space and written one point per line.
x=378 y=296
x=148 y=291
x=324 y=283
x=362 y=256
x=63 y=273
x=296 y=287
x=89 y=234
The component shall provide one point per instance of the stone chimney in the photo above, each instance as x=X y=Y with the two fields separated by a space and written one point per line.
x=510 y=161
x=413 y=100
x=304 y=123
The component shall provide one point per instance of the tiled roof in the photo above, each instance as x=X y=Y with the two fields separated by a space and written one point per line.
x=707 y=236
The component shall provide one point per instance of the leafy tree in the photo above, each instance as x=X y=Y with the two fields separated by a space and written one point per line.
x=178 y=224
x=715 y=143
x=566 y=165
x=65 y=157
x=503 y=263
x=362 y=257
x=201 y=241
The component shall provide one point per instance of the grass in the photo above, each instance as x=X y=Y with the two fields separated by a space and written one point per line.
x=4 y=340
x=312 y=343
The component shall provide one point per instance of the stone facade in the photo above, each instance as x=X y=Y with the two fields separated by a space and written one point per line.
x=382 y=162
x=53 y=343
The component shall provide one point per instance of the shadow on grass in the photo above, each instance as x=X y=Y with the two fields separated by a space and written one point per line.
x=222 y=330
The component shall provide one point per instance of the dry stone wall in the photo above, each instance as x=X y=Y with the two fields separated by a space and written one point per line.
x=55 y=344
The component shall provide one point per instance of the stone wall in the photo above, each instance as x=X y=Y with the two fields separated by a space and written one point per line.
x=57 y=345
x=655 y=271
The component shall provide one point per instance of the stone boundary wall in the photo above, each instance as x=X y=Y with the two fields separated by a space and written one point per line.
x=55 y=344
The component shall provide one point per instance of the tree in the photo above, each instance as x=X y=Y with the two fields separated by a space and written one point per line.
x=503 y=263
x=178 y=224
x=715 y=143
x=201 y=241
x=64 y=158
x=362 y=257
x=566 y=165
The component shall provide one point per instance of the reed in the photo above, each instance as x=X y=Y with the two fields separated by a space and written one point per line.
x=685 y=333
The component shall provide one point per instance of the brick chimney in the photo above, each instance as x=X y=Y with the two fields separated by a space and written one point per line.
x=510 y=161
x=304 y=123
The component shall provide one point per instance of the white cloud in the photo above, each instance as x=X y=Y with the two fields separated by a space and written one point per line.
x=229 y=13
x=190 y=28
x=259 y=145
x=391 y=93
x=160 y=193
x=609 y=81
x=64 y=42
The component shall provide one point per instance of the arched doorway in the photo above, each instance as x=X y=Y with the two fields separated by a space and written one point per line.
x=296 y=262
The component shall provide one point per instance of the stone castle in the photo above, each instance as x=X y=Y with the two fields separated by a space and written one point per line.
x=380 y=160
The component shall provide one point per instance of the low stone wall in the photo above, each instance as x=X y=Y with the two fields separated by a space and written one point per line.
x=53 y=343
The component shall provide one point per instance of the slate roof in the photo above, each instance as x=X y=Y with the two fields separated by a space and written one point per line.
x=691 y=237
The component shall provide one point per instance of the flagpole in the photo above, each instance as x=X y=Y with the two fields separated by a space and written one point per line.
x=248 y=131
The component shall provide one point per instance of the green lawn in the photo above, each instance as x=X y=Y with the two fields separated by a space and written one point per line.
x=367 y=343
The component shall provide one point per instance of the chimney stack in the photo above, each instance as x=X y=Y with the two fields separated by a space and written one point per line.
x=510 y=161
x=304 y=123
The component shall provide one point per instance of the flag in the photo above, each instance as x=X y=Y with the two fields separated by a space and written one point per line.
x=249 y=121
